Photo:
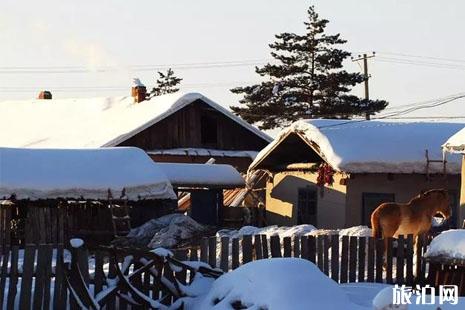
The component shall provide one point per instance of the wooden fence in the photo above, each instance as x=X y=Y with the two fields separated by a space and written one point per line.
x=344 y=259
x=56 y=221
x=31 y=277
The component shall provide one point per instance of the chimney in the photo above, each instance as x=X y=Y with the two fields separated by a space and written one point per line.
x=45 y=94
x=138 y=91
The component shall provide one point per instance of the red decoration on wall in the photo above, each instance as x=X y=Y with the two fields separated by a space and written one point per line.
x=325 y=175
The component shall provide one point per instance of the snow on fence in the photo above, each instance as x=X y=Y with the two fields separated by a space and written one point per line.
x=32 y=277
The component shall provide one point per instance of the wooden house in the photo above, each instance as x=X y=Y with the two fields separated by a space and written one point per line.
x=51 y=195
x=185 y=128
x=334 y=173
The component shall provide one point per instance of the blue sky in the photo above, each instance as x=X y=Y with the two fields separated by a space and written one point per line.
x=89 y=34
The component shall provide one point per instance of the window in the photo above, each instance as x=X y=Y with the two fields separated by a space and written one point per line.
x=208 y=130
x=371 y=201
x=307 y=205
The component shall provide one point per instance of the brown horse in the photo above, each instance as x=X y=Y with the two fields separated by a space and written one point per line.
x=392 y=219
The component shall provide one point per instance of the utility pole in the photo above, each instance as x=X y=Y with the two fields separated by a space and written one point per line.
x=365 y=57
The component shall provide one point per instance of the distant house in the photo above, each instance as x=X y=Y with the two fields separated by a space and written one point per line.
x=188 y=128
x=367 y=162
x=456 y=144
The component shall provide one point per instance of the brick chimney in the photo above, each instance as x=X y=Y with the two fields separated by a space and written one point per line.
x=138 y=91
x=45 y=94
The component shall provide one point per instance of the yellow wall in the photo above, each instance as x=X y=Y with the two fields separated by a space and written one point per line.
x=282 y=195
x=403 y=186
x=341 y=206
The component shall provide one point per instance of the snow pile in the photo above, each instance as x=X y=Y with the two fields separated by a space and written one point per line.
x=93 y=122
x=356 y=231
x=274 y=284
x=324 y=232
x=165 y=232
x=299 y=230
x=376 y=146
x=75 y=173
x=449 y=243
x=281 y=231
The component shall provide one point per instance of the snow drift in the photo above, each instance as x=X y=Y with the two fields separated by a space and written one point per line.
x=274 y=284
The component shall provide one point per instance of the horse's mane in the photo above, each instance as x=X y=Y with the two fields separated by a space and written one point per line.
x=427 y=193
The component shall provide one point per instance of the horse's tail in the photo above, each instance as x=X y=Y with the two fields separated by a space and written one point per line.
x=375 y=226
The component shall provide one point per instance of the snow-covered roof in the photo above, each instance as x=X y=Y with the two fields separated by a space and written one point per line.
x=76 y=173
x=376 y=146
x=189 y=151
x=456 y=143
x=91 y=122
x=202 y=175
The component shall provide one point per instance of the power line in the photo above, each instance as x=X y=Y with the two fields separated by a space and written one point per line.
x=137 y=68
x=421 y=63
x=424 y=57
x=403 y=112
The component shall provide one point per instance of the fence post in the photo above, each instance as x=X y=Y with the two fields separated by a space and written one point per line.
x=335 y=257
x=311 y=249
x=409 y=258
x=235 y=253
x=224 y=265
x=204 y=250
x=371 y=260
x=389 y=251
x=362 y=241
x=212 y=251
x=352 y=258
x=400 y=260
x=296 y=247
x=265 y=246
x=379 y=260
x=344 y=258
x=258 y=247
x=246 y=249
x=287 y=245
x=275 y=245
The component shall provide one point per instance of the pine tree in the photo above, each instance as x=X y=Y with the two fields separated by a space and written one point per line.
x=166 y=83
x=306 y=80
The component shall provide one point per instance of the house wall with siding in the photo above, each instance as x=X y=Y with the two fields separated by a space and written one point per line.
x=183 y=129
